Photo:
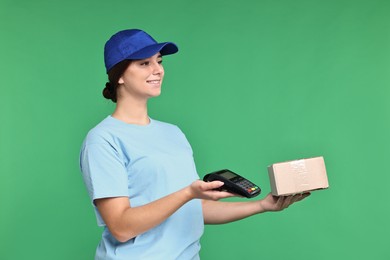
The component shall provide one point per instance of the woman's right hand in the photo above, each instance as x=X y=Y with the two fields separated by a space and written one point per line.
x=207 y=190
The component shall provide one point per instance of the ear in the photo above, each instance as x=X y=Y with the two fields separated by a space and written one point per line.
x=121 y=81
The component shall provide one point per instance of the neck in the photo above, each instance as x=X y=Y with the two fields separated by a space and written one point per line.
x=132 y=111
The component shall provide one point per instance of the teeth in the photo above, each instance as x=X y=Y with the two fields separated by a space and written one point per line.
x=154 y=81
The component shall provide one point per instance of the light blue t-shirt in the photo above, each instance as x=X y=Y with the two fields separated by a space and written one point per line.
x=144 y=163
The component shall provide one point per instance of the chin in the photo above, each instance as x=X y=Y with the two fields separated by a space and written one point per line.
x=155 y=94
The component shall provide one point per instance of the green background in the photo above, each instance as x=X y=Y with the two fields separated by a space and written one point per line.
x=254 y=83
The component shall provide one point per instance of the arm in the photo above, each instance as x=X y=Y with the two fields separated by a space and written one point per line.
x=218 y=212
x=126 y=222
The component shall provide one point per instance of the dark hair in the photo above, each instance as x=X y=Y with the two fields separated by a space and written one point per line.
x=114 y=74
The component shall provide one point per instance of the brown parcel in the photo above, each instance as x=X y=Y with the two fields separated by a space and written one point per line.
x=298 y=176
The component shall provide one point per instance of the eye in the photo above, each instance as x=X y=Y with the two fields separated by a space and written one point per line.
x=160 y=61
x=145 y=63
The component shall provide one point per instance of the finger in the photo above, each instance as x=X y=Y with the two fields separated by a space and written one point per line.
x=217 y=195
x=225 y=194
x=280 y=202
x=229 y=194
x=299 y=197
x=212 y=185
x=288 y=201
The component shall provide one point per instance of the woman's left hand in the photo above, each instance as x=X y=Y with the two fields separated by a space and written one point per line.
x=274 y=203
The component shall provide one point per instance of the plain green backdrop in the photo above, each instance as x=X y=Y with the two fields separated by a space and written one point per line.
x=254 y=83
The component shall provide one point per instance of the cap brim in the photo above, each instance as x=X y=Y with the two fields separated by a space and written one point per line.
x=165 y=48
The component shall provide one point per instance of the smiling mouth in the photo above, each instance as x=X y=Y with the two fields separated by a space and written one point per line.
x=153 y=81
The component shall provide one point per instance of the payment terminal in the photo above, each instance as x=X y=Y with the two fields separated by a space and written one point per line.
x=234 y=183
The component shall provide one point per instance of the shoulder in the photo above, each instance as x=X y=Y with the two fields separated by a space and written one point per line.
x=101 y=133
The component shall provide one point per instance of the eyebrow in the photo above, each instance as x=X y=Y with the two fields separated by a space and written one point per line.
x=158 y=57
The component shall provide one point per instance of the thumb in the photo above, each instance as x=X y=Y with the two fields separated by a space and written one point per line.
x=213 y=185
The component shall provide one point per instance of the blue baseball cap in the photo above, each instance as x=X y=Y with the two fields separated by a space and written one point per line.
x=133 y=44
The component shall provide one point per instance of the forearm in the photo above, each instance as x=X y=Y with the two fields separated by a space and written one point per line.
x=128 y=222
x=218 y=212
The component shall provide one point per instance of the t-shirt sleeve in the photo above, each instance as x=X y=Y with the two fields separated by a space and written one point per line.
x=103 y=170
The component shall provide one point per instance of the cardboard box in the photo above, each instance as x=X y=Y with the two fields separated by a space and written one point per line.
x=298 y=176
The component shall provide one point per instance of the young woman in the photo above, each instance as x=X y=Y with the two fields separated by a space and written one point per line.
x=140 y=172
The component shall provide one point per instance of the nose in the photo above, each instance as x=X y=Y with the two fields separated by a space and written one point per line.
x=157 y=68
